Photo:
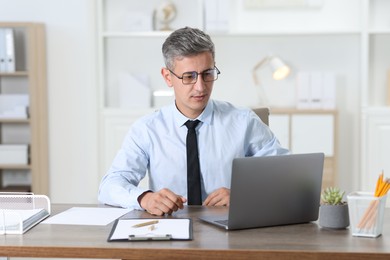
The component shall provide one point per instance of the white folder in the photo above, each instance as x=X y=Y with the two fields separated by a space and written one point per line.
x=2 y=50
x=10 y=49
x=329 y=91
x=303 y=90
x=316 y=90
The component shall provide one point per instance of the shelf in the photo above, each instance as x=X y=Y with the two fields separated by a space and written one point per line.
x=137 y=34
x=15 y=167
x=16 y=188
x=154 y=34
x=379 y=110
x=14 y=74
x=384 y=31
x=287 y=110
x=15 y=120
x=283 y=33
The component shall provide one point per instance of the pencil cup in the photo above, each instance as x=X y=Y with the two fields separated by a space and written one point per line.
x=366 y=213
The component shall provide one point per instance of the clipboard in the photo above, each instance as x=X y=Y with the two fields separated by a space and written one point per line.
x=141 y=229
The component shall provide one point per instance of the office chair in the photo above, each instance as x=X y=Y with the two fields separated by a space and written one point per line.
x=263 y=113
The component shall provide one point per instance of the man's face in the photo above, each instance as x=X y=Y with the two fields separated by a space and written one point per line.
x=191 y=99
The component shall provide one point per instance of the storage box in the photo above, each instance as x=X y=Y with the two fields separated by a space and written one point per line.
x=14 y=154
x=366 y=213
x=14 y=106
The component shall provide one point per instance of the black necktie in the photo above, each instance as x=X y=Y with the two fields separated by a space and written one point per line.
x=193 y=169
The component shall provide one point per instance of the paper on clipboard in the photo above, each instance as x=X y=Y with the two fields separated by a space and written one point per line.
x=165 y=229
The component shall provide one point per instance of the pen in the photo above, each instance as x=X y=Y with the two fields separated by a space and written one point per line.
x=146 y=223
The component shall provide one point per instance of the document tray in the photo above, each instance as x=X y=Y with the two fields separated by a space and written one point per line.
x=19 y=212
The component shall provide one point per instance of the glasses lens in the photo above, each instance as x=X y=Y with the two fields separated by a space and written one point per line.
x=210 y=75
x=190 y=77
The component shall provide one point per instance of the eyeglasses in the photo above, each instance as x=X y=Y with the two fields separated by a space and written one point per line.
x=191 y=77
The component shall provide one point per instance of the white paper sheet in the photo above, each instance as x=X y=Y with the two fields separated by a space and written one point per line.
x=87 y=216
x=177 y=228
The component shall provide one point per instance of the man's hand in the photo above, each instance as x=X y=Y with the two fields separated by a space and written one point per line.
x=161 y=202
x=220 y=197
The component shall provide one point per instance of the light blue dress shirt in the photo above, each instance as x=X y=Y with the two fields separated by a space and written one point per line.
x=156 y=144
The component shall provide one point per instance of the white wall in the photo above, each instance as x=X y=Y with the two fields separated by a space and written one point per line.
x=72 y=92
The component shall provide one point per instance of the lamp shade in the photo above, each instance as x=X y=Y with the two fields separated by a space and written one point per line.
x=279 y=69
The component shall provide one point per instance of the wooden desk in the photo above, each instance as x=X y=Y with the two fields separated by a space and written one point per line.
x=305 y=241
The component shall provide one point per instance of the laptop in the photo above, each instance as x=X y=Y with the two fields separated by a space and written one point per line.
x=273 y=190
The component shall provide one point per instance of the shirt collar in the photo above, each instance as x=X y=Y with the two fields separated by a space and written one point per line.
x=204 y=117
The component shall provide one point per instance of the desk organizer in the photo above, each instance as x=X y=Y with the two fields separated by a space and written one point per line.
x=366 y=214
x=19 y=212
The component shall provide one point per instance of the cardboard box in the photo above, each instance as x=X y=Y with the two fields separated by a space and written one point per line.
x=14 y=154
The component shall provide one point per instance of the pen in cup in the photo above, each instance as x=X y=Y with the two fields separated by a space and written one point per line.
x=148 y=223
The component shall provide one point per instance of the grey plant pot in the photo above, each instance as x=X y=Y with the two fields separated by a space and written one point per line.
x=334 y=216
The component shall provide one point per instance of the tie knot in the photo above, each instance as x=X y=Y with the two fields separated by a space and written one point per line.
x=192 y=124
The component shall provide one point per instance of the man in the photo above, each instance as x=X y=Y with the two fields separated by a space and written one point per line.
x=157 y=143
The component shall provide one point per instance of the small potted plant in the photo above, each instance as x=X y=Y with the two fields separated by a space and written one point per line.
x=333 y=209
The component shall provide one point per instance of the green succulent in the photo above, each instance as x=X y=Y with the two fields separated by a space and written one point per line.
x=332 y=196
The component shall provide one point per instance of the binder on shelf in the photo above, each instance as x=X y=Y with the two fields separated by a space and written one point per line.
x=19 y=212
x=303 y=90
x=316 y=90
x=10 y=49
x=329 y=91
x=2 y=50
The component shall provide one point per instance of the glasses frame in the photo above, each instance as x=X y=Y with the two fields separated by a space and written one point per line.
x=197 y=74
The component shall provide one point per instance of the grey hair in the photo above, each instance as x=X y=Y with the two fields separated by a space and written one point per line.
x=186 y=42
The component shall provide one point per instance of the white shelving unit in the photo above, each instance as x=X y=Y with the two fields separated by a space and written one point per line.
x=375 y=123
x=348 y=38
